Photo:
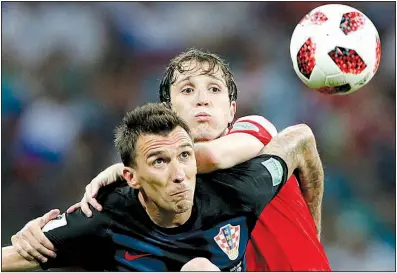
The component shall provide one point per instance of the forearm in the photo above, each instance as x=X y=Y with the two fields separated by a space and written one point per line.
x=117 y=169
x=311 y=178
x=12 y=261
x=226 y=152
x=297 y=147
x=205 y=158
x=289 y=145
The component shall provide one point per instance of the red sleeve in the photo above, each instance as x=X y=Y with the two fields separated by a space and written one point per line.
x=256 y=126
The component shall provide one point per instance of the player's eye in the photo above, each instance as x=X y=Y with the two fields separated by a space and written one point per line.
x=185 y=155
x=215 y=89
x=158 y=162
x=187 y=90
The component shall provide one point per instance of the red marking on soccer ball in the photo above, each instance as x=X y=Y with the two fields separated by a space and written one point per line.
x=305 y=58
x=347 y=60
x=352 y=21
x=378 y=54
x=318 y=18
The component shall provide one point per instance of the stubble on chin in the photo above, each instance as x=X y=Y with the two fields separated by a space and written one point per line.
x=207 y=134
x=203 y=132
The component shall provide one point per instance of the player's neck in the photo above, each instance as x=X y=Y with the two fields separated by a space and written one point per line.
x=163 y=218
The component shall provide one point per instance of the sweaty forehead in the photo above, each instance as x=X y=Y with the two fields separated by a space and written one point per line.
x=149 y=142
x=194 y=68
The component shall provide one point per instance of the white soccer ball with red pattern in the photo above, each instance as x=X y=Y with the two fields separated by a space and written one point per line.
x=335 y=49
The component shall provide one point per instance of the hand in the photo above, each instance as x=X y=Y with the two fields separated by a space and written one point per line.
x=104 y=178
x=199 y=264
x=31 y=243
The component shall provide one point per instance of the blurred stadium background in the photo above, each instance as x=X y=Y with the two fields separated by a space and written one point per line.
x=71 y=70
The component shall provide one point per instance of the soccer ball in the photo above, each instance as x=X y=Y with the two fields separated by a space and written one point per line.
x=335 y=49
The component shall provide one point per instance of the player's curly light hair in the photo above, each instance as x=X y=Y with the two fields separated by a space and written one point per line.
x=214 y=63
x=151 y=118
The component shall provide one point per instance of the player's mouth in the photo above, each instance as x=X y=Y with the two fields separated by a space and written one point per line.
x=202 y=116
x=180 y=192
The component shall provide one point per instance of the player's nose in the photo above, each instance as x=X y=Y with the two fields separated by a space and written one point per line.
x=178 y=172
x=202 y=97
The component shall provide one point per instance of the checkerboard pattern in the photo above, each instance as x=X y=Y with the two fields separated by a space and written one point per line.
x=228 y=240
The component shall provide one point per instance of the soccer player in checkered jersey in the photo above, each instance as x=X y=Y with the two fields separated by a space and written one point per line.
x=201 y=89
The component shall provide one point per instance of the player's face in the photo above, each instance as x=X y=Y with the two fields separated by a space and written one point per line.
x=202 y=100
x=166 y=170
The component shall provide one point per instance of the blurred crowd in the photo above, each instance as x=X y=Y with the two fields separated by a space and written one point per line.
x=71 y=70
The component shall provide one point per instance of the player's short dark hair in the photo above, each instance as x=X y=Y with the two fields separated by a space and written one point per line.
x=151 y=118
x=214 y=62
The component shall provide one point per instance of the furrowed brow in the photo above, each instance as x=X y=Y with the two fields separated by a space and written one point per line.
x=155 y=153
x=186 y=145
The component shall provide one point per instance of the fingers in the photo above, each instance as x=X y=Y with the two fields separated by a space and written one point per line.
x=52 y=214
x=74 y=207
x=104 y=178
x=84 y=206
x=94 y=203
x=16 y=243
x=31 y=242
x=91 y=191
x=26 y=250
x=96 y=185
x=39 y=241
x=35 y=248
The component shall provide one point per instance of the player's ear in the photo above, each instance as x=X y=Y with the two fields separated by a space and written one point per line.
x=129 y=175
x=232 y=110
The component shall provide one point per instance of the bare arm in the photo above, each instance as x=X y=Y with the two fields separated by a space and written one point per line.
x=296 y=145
x=12 y=261
x=246 y=138
x=225 y=152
